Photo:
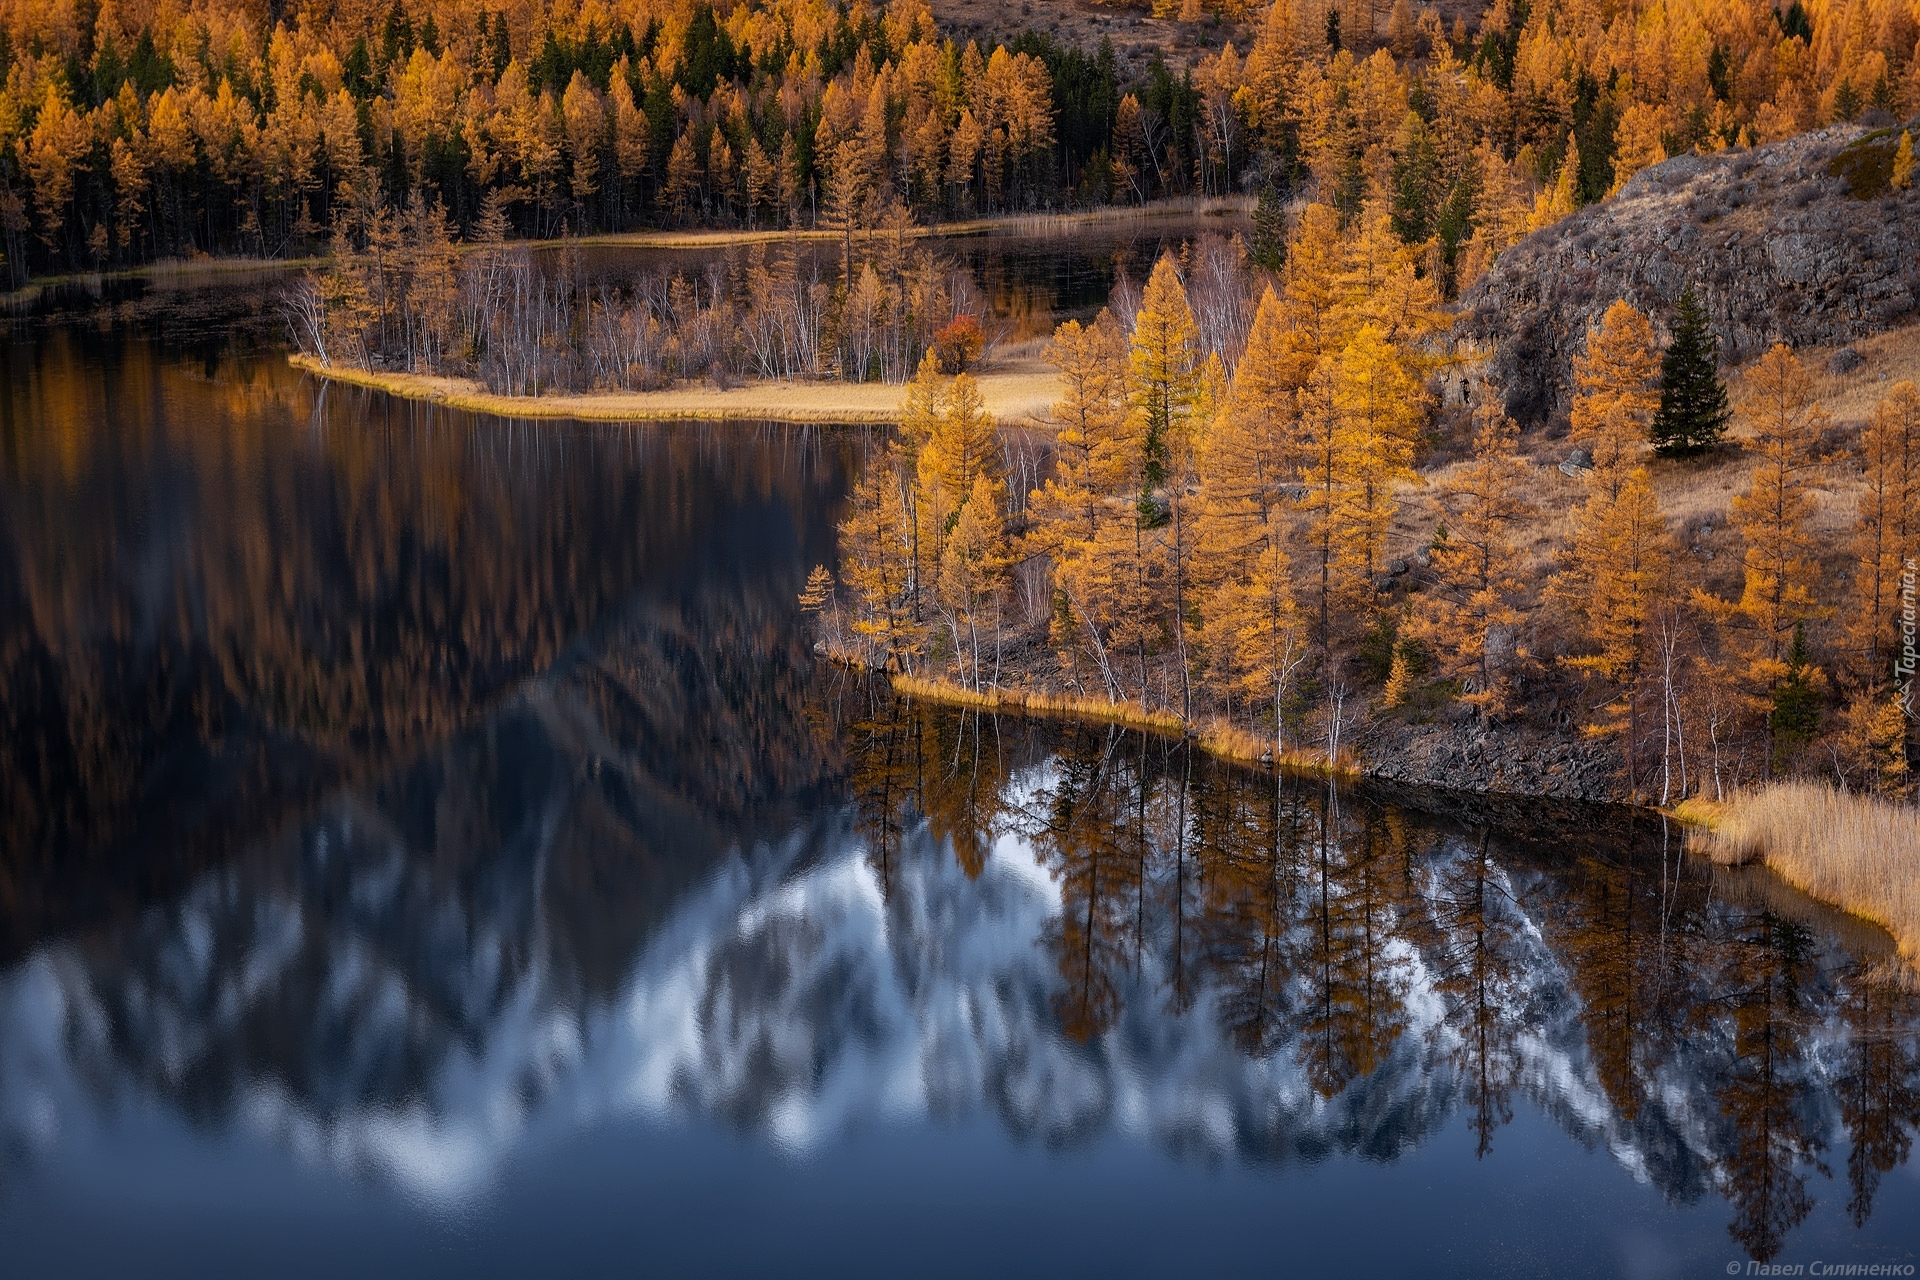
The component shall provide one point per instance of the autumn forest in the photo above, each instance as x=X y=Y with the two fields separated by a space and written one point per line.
x=138 y=130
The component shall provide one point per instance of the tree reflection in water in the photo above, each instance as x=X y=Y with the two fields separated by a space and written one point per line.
x=949 y=911
x=1318 y=927
x=495 y=784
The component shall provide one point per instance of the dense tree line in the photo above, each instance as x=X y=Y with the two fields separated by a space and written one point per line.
x=129 y=131
x=1220 y=532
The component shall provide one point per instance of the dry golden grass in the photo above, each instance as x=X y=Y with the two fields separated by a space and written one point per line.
x=1214 y=737
x=1003 y=224
x=1014 y=392
x=1858 y=853
x=1890 y=357
x=1037 y=702
x=1696 y=492
x=1230 y=742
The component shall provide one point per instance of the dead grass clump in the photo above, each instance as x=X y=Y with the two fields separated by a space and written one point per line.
x=1859 y=853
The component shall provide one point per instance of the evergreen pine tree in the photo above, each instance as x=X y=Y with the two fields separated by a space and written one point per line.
x=1693 y=409
x=1846 y=101
x=1269 y=247
x=1795 y=715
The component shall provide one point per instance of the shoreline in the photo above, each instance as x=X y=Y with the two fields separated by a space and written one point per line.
x=1215 y=738
x=1706 y=822
x=1014 y=224
x=184 y=271
x=1014 y=395
x=1852 y=851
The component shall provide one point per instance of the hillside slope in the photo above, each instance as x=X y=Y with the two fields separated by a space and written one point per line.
x=1800 y=241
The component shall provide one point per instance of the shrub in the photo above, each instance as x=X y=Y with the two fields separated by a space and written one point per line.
x=959 y=344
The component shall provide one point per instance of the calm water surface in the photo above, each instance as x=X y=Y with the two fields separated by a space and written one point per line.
x=426 y=847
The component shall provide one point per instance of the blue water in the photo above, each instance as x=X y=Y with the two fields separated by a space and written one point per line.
x=429 y=847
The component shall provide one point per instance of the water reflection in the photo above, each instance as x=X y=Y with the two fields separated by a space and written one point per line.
x=385 y=788
x=1075 y=931
x=224 y=593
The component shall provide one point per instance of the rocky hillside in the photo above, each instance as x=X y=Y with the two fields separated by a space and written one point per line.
x=1802 y=241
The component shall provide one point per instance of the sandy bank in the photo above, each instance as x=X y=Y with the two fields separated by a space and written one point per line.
x=1017 y=392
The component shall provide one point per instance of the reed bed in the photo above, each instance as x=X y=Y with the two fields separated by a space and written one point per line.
x=1856 y=852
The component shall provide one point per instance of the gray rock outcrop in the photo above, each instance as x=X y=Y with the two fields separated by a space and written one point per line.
x=1516 y=759
x=1777 y=247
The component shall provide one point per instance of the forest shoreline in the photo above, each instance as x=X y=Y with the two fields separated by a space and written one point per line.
x=1219 y=739
x=1019 y=393
x=1214 y=737
x=190 y=270
x=1728 y=833
x=1015 y=224
x=183 y=271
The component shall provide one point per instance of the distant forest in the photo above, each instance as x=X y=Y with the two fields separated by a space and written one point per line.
x=150 y=128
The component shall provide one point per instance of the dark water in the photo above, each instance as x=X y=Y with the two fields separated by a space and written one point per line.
x=427 y=848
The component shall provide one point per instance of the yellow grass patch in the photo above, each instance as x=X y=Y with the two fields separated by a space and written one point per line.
x=1215 y=737
x=1012 y=394
x=1859 y=853
x=1891 y=356
x=1005 y=224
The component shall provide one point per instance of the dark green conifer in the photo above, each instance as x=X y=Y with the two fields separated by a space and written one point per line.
x=1269 y=247
x=1693 y=410
x=1795 y=716
x=1846 y=101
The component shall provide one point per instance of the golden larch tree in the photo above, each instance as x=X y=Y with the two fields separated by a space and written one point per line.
x=1091 y=440
x=1614 y=574
x=876 y=548
x=1379 y=403
x=1471 y=620
x=1315 y=318
x=1886 y=533
x=1251 y=456
x=963 y=444
x=1617 y=390
x=973 y=570
x=1333 y=456
x=1253 y=625
x=1784 y=424
x=1164 y=388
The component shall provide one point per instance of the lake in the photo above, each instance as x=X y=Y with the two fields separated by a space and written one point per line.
x=429 y=846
